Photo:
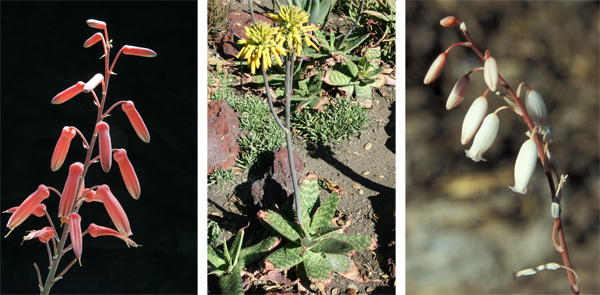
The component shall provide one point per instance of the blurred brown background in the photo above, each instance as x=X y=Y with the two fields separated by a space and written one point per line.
x=466 y=231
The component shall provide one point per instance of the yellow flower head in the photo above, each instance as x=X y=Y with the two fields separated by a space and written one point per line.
x=292 y=28
x=260 y=45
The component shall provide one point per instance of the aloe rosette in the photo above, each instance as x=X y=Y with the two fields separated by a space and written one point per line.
x=319 y=244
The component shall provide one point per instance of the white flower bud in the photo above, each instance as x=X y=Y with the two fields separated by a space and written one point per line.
x=524 y=166
x=536 y=108
x=490 y=73
x=484 y=138
x=473 y=119
x=92 y=83
x=458 y=92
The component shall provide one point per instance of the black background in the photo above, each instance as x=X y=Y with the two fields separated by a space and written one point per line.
x=41 y=55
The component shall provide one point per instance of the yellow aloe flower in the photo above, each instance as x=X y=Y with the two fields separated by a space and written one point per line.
x=292 y=28
x=259 y=46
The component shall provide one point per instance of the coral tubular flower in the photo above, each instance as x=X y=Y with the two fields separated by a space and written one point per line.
x=484 y=138
x=68 y=195
x=525 y=166
x=138 y=51
x=97 y=230
x=128 y=174
x=62 y=147
x=449 y=21
x=490 y=73
x=27 y=207
x=89 y=196
x=93 y=40
x=292 y=29
x=96 y=24
x=92 y=83
x=105 y=146
x=536 y=108
x=473 y=119
x=260 y=45
x=436 y=69
x=458 y=92
x=74 y=221
x=44 y=235
x=68 y=93
x=114 y=209
x=136 y=121
x=39 y=211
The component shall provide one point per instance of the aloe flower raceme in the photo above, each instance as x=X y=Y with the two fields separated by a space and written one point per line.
x=128 y=173
x=68 y=93
x=458 y=92
x=44 y=235
x=62 y=147
x=259 y=46
x=105 y=145
x=525 y=166
x=27 y=207
x=473 y=119
x=39 y=211
x=484 y=138
x=114 y=209
x=97 y=231
x=68 y=195
x=292 y=29
x=74 y=221
x=136 y=121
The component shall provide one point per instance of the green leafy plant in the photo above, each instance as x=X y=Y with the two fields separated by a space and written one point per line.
x=220 y=175
x=307 y=93
x=379 y=24
x=318 y=243
x=228 y=264
x=339 y=120
x=318 y=9
x=217 y=13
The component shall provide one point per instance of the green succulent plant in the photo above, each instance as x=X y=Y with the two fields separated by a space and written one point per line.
x=318 y=244
x=318 y=10
x=229 y=264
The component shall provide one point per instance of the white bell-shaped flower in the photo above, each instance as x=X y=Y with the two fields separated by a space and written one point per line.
x=484 y=138
x=524 y=166
x=536 y=108
x=473 y=119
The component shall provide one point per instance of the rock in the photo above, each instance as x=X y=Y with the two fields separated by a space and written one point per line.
x=223 y=130
x=276 y=184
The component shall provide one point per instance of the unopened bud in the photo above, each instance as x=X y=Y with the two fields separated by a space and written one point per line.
x=458 y=92
x=449 y=21
x=436 y=69
x=490 y=73
x=92 y=83
x=536 y=108
x=473 y=119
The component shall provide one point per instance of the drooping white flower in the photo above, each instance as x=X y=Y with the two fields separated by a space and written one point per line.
x=524 y=166
x=473 y=119
x=484 y=138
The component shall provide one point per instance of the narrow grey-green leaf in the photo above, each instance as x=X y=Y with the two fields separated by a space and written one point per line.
x=215 y=257
x=256 y=251
x=231 y=283
x=281 y=226
x=309 y=198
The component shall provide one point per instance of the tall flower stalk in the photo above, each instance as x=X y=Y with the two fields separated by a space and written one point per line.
x=75 y=192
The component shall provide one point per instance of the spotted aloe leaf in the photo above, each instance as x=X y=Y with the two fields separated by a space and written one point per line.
x=360 y=242
x=324 y=215
x=334 y=246
x=317 y=267
x=231 y=283
x=286 y=257
x=327 y=231
x=280 y=225
x=339 y=78
x=254 y=252
x=309 y=197
x=340 y=263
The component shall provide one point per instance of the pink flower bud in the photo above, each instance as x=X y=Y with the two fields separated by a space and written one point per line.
x=114 y=209
x=105 y=146
x=484 y=138
x=458 y=92
x=74 y=221
x=138 y=51
x=136 y=121
x=490 y=73
x=128 y=174
x=96 y=24
x=68 y=194
x=44 y=234
x=39 y=211
x=525 y=166
x=93 y=40
x=536 y=108
x=436 y=69
x=97 y=230
x=92 y=83
x=89 y=196
x=473 y=119
x=62 y=147
x=449 y=21
x=27 y=207
x=68 y=93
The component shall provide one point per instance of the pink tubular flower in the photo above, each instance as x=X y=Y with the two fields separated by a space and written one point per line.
x=138 y=51
x=473 y=119
x=44 y=234
x=128 y=173
x=96 y=24
x=105 y=145
x=458 y=92
x=490 y=73
x=62 y=147
x=136 y=121
x=89 y=196
x=68 y=194
x=114 y=209
x=68 y=93
x=436 y=69
x=27 y=207
x=93 y=83
x=93 y=40
x=97 y=230
x=74 y=221
x=39 y=211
